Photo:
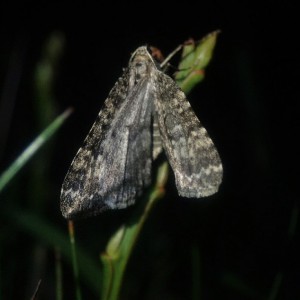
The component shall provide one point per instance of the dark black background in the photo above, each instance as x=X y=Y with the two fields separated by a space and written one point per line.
x=248 y=103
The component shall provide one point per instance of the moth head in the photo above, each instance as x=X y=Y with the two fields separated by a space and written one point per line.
x=141 y=65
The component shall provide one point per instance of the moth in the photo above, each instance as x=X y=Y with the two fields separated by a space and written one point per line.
x=145 y=113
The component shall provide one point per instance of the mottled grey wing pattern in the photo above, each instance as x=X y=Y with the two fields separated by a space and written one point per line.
x=190 y=151
x=113 y=166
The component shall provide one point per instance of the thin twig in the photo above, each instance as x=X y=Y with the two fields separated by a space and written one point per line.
x=36 y=290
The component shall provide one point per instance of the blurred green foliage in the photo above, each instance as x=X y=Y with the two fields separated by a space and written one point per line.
x=34 y=243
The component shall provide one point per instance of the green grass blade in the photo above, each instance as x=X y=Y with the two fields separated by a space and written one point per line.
x=74 y=259
x=14 y=168
x=50 y=235
x=58 y=274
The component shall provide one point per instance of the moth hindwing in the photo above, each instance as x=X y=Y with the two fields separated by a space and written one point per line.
x=144 y=113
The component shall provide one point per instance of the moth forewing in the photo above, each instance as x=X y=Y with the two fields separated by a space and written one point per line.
x=113 y=166
x=190 y=151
